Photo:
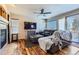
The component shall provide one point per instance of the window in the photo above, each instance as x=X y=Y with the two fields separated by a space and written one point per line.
x=73 y=26
x=61 y=24
x=52 y=25
x=14 y=26
x=70 y=21
x=73 y=23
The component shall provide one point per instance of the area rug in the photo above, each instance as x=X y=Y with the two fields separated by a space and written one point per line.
x=76 y=40
x=76 y=44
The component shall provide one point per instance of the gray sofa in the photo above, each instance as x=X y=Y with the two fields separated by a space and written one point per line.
x=32 y=35
x=47 y=32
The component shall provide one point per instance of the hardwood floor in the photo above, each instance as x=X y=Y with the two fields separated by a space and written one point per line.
x=36 y=50
x=21 y=49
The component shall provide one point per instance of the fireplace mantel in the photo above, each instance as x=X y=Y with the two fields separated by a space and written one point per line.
x=3 y=20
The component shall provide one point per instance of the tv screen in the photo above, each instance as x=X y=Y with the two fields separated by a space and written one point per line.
x=29 y=25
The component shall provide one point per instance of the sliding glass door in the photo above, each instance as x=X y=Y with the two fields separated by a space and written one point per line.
x=73 y=26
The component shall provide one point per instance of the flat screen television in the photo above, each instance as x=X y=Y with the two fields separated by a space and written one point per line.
x=29 y=25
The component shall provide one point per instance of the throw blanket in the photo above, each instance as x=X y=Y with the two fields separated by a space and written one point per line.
x=67 y=35
x=46 y=42
x=56 y=39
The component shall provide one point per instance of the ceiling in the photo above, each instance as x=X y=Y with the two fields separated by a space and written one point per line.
x=28 y=10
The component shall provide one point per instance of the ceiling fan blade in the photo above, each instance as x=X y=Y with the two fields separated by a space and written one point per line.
x=47 y=13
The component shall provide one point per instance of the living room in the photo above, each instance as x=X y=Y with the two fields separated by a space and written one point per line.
x=32 y=24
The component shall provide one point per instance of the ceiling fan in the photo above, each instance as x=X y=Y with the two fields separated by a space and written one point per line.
x=42 y=11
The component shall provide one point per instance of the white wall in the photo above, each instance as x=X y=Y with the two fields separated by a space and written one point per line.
x=21 y=25
x=40 y=23
x=22 y=31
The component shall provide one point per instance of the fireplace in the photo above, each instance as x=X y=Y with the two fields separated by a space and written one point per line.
x=2 y=37
x=3 y=31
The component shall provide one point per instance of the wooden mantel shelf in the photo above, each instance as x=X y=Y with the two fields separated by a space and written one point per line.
x=3 y=13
